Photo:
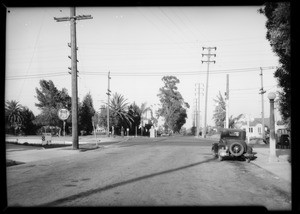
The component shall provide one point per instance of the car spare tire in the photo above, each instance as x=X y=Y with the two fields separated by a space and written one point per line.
x=236 y=149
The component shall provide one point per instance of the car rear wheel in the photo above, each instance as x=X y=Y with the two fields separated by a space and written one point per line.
x=236 y=149
x=220 y=158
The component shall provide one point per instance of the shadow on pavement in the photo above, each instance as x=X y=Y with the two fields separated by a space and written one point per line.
x=100 y=189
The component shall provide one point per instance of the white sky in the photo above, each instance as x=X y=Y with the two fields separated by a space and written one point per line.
x=139 y=45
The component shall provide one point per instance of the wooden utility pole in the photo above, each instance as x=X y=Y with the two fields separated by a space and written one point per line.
x=227 y=101
x=262 y=104
x=108 y=95
x=197 y=111
x=198 y=116
x=206 y=91
x=74 y=71
x=195 y=115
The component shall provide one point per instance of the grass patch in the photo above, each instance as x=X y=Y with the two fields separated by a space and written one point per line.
x=47 y=146
x=12 y=163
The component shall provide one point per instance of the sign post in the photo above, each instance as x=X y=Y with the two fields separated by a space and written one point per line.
x=63 y=114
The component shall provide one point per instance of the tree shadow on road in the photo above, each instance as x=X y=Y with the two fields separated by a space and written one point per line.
x=108 y=187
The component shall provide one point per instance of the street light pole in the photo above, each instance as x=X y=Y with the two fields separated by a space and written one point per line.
x=272 y=154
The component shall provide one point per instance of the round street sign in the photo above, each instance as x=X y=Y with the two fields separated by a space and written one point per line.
x=63 y=114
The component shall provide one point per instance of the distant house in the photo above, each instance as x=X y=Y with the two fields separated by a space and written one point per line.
x=255 y=127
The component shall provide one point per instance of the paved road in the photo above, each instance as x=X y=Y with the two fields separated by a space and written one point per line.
x=152 y=172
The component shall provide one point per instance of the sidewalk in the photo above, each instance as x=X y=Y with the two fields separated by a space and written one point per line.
x=67 y=140
x=281 y=169
x=40 y=153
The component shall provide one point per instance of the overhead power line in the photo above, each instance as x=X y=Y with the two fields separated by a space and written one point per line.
x=197 y=72
x=104 y=73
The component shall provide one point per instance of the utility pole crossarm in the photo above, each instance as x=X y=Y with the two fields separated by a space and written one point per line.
x=262 y=91
x=208 y=61
x=209 y=48
x=209 y=55
x=79 y=17
x=62 y=19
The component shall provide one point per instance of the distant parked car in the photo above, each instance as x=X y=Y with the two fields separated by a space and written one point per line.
x=233 y=144
x=284 y=142
x=165 y=134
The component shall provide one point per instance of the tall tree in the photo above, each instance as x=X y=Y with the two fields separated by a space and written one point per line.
x=135 y=113
x=86 y=113
x=50 y=100
x=179 y=119
x=171 y=103
x=143 y=110
x=28 y=127
x=13 y=114
x=278 y=34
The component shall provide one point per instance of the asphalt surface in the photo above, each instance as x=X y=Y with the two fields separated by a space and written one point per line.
x=144 y=172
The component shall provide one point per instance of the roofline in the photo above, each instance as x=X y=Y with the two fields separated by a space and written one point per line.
x=228 y=129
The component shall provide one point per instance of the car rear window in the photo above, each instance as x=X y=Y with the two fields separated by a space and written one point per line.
x=233 y=134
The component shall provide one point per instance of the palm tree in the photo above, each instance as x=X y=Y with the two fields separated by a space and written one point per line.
x=119 y=108
x=233 y=121
x=220 y=111
x=13 y=114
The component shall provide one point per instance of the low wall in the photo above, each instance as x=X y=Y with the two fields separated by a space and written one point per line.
x=35 y=141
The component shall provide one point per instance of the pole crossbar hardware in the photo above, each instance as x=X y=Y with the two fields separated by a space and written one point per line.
x=79 y=17
x=71 y=58
x=62 y=19
x=208 y=61
x=209 y=48
x=262 y=91
x=208 y=55
x=72 y=18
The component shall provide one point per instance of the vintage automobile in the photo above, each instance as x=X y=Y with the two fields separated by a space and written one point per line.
x=233 y=144
x=284 y=142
